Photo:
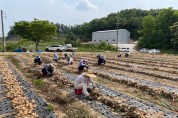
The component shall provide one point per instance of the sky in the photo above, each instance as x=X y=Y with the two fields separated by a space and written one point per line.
x=71 y=12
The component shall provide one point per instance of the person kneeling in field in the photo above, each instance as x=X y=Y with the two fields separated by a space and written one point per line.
x=101 y=59
x=83 y=63
x=83 y=82
x=69 y=60
x=38 y=60
x=48 y=69
x=56 y=57
x=74 y=55
x=126 y=54
x=65 y=55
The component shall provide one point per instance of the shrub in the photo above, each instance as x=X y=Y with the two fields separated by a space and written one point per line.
x=97 y=47
x=74 y=43
x=11 y=47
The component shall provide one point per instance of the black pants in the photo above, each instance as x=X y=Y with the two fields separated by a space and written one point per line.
x=81 y=68
x=101 y=61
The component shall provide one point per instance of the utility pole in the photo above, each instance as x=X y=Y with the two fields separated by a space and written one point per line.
x=3 y=43
x=117 y=38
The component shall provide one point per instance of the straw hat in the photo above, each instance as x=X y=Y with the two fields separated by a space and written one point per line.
x=52 y=66
x=89 y=74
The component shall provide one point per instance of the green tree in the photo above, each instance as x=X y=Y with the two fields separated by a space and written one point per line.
x=164 y=20
x=147 y=32
x=71 y=36
x=130 y=19
x=174 y=33
x=156 y=31
x=36 y=31
x=11 y=34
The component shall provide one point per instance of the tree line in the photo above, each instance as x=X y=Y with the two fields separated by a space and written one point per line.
x=155 y=28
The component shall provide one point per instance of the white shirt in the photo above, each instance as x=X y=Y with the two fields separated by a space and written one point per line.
x=69 y=61
x=83 y=79
x=73 y=54
x=55 y=56
x=82 y=63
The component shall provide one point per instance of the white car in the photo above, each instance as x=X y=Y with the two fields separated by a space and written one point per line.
x=58 y=48
x=144 y=50
x=154 y=51
x=124 y=49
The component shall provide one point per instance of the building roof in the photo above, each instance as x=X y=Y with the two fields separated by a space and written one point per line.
x=110 y=30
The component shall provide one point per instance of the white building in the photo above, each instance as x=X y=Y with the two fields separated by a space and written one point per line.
x=110 y=36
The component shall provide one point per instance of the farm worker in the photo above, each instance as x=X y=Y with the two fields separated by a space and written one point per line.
x=48 y=69
x=38 y=60
x=83 y=63
x=126 y=54
x=65 y=55
x=83 y=82
x=56 y=57
x=74 y=55
x=119 y=55
x=69 y=60
x=101 y=59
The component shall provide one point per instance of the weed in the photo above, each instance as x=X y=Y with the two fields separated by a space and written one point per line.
x=38 y=82
x=50 y=107
x=84 y=113
x=78 y=113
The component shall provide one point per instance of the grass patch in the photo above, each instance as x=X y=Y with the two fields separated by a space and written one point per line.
x=38 y=82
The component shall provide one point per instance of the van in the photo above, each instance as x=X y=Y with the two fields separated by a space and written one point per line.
x=143 y=50
x=154 y=51
x=67 y=45
x=124 y=49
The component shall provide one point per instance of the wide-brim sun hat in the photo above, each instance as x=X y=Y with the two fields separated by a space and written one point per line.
x=52 y=66
x=89 y=74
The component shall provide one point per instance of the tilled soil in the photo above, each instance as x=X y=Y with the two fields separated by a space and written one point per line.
x=121 y=85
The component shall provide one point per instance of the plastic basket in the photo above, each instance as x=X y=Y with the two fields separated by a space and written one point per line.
x=78 y=91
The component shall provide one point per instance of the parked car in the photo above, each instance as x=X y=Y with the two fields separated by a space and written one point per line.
x=58 y=48
x=124 y=49
x=154 y=51
x=68 y=47
x=144 y=50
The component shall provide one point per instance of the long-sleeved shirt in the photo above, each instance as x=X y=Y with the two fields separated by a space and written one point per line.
x=55 y=56
x=83 y=79
x=101 y=57
x=38 y=59
x=47 y=67
x=82 y=63
x=69 y=60
x=73 y=54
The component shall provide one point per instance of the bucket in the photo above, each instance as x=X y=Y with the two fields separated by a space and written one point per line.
x=78 y=91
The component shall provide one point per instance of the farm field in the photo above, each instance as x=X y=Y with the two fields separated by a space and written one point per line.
x=140 y=86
